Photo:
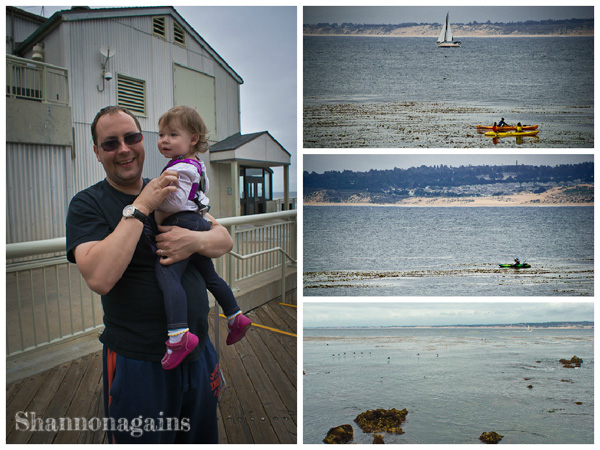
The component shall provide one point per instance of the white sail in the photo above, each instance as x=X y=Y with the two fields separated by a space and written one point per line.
x=448 y=37
x=443 y=32
x=446 y=33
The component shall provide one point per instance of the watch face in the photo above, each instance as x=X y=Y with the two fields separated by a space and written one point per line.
x=128 y=210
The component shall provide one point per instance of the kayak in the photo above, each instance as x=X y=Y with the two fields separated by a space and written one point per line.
x=516 y=266
x=525 y=127
x=512 y=133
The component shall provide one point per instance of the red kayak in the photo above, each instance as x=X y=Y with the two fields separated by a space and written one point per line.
x=489 y=127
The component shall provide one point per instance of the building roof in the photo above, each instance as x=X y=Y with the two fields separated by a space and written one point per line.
x=237 y=140
x=258 y=149
x=86 y=13
x=18 y=12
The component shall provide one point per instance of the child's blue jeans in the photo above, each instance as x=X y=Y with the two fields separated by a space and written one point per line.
x=169 y=277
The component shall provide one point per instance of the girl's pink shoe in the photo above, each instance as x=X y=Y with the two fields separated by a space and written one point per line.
x=179 y=350
x=237 y=329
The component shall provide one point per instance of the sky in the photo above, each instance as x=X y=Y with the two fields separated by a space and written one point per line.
x=350 y=314
x=364 y=163
x=260 y=44
x=432 y=14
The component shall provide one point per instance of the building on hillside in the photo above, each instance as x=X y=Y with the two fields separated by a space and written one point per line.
x=61 y=71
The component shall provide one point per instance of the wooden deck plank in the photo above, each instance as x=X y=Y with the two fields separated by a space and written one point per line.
x=58 y=405
x=278 y=376
x=51 y=380
x=241 y=385
x=258 y=404
x=230 y=409
x=22 y=394
x=283 y=347
x=266 y=376
x=80 y=406
x=272 y=355
x=234 y=421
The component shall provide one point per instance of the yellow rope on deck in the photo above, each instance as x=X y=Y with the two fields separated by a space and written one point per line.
x=287 y=304
x=267 y=328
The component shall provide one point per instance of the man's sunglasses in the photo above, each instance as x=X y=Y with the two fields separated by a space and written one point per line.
x=113 y=144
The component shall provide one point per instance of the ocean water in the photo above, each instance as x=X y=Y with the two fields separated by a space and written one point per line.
x=454 y=251
x=400 y=92
x=455 y=383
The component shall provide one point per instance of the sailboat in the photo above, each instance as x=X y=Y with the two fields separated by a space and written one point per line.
x=529 y=329
x=445 y=39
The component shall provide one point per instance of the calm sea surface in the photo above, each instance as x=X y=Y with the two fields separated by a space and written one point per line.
x=455 y=383
x=455 y=251
x=409 y=85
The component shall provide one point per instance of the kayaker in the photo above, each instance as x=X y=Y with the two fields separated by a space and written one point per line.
x=517 y=262
x=495 y=128
x=502 y=123
x=519 y=127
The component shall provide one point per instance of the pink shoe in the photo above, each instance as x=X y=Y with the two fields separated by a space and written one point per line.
x=179 y=350
x=237 y=329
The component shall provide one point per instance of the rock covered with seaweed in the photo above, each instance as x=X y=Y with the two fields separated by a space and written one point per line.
x=382 y=420
x=340 y=435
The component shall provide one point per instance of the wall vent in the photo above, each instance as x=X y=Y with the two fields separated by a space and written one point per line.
x=178 y=34
x=158 y=27
x=131 y=94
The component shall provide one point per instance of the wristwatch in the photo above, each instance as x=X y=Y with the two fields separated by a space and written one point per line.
x=131 y=211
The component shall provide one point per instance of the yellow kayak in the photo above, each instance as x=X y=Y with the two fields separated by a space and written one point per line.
x=512 y=133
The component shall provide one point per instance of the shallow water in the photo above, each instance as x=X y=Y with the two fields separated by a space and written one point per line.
x=455 y=383
x=405 y=251
x=406 y=92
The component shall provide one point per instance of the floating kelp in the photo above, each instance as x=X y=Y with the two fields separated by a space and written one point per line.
x=382 y=420
x=490 y=437
x=340 y=435
x=572 y=363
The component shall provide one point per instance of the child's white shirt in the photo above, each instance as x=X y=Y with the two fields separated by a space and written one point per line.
x=178 y=201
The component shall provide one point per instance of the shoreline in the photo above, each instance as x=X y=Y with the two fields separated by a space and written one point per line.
x=439 y=203
x=445 y=327
x=469 y=36
x=550 y=198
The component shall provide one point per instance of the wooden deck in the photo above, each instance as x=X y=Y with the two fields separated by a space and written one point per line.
x=257 y=406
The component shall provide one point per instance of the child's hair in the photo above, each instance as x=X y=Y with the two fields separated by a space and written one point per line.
x=189 y=119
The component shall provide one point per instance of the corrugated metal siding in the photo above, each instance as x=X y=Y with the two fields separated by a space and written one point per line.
x=38 y=191
x=76 y=46
x=21 y=31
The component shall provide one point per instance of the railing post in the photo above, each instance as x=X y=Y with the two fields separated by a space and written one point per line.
x=283 y=262
x=230 y=260
x=45 y=84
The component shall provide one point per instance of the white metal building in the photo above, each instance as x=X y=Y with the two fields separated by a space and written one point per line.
x=61 y=71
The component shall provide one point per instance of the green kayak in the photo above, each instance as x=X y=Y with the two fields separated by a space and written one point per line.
x=516 y=266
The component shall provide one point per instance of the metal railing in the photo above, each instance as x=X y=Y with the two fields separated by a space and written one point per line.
x=34 y=80
x=47 y=300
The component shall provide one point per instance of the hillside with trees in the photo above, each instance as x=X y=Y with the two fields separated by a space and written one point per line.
x=567 y=27
x=392 y=185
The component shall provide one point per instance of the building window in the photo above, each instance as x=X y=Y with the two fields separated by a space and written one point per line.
x=131 y=94
x=178 y=34
x=158 y=27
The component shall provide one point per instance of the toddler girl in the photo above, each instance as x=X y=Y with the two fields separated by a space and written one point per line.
x=182 y=135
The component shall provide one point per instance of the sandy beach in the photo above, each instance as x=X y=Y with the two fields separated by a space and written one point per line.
x=557 y=196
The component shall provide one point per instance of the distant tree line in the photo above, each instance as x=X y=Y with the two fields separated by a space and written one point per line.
x=445 y=176
x=474 y=22
x=524 y=27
